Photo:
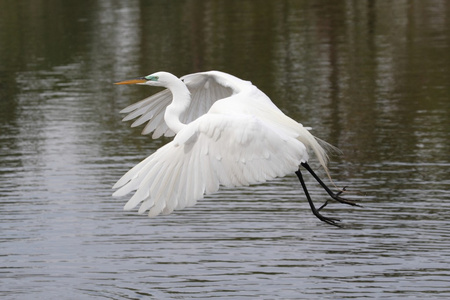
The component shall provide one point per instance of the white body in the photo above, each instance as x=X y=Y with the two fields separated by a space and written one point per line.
x=228 y=133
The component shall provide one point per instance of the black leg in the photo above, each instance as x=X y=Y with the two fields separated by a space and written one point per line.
x=315 y=211
x=335 y=196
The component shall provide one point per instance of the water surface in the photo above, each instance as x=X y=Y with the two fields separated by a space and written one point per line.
x=370 y=77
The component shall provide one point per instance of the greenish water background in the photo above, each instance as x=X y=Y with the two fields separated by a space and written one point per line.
x=370 y=77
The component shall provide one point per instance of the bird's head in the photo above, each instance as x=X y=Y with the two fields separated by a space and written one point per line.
x=155 y=79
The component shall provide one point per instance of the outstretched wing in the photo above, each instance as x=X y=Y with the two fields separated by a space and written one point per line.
x=206 y=88
x=214 y=150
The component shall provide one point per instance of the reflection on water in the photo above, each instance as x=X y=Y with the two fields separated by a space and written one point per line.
x=369 y=76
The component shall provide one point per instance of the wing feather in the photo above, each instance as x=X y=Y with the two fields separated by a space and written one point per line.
x=214 y=150
x=158 y=120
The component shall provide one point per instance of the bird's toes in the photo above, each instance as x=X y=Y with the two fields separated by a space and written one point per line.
x=323 y=205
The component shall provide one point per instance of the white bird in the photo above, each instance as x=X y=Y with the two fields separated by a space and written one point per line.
x=227 y=133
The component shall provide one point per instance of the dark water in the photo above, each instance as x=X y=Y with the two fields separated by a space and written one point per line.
x=371 y=77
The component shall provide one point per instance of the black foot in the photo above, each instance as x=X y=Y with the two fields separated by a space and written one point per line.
x=328 y=220
x=323 y=205
x=315 y=211
x=334 y=196
x=338 y=198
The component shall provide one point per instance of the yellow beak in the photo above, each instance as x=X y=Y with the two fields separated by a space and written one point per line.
x=132 y=81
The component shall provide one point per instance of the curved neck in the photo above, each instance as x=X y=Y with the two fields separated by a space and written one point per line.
x=180 y=102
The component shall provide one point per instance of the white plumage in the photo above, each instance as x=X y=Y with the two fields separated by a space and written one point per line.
x=228 y=133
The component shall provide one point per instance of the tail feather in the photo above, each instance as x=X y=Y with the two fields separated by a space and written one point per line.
x=320 y=148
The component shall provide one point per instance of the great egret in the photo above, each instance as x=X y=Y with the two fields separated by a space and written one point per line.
x=227 y=132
